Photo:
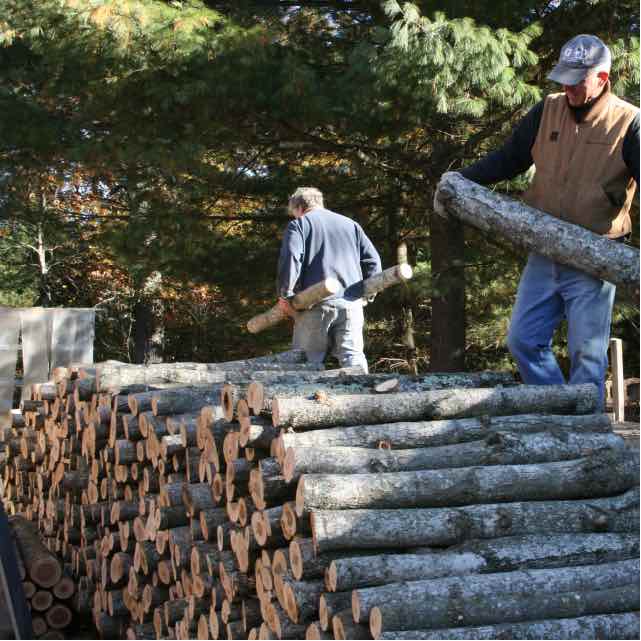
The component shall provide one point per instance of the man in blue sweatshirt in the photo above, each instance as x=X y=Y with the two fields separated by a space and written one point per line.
x=320 y=244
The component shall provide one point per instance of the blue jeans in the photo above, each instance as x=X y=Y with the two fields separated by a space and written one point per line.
x=549 y=292
x=335 y=325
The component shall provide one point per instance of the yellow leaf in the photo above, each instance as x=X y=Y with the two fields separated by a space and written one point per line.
x=101 y=15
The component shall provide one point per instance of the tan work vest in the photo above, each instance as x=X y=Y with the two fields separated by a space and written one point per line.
x=580 y=174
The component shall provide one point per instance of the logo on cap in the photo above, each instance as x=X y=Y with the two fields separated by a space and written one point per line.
x=573 y=54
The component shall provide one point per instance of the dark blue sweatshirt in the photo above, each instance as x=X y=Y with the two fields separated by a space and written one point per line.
x=322 y=244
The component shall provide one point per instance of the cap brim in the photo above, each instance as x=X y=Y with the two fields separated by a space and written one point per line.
x=567 y=75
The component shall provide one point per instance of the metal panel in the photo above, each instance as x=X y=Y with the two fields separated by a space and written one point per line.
x=36 y=346
x=9 y=333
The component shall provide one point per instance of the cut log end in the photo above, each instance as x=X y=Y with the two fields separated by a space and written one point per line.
x=58 y=616
x=46 y=572
x=375 y=622
x=331 y=577
x=227 y=401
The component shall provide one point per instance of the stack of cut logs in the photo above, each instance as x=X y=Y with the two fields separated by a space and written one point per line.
x=47 y=585
x=266 y=499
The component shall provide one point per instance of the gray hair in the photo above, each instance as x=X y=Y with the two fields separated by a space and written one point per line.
x=307 y=198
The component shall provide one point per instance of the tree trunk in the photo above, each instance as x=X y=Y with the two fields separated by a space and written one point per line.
x=332 y=411
x=354 y=529
x=502 y=554
x=602 y=474
x=536 y=231
x=498 y=449
x=444 y=612
x=147 y=333
x=601 y=626
x=401 y=435
x=447 y=335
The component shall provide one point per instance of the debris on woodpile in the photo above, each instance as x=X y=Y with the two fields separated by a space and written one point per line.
x=281 y=502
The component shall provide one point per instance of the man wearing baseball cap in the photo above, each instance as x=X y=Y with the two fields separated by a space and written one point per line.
x=584 y=143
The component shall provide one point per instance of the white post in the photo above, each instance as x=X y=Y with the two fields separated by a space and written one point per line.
x=618 y=392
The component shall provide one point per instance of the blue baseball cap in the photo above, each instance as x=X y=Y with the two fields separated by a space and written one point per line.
x=578 y=57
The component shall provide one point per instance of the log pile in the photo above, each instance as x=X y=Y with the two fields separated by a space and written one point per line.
x=287 y=503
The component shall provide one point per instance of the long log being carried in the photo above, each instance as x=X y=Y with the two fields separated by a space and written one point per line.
x=328 y=287
x=539 y=232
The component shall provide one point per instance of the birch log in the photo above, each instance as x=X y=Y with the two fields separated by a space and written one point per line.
x=597 y=626
x=602 y=474
x=501 y=448
x=408 y=435
x=354 y=529
x=333 y=411
x=536 y=231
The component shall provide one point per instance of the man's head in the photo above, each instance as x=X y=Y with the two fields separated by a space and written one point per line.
x=304 y=199
x=583 y=69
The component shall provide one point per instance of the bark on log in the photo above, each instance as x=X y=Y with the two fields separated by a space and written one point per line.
x=386 y=278
x=495 y=555
x=450 y=403
x=317 y=293
x=353 y=529
x=598 y=626
x=535 y=582
x=402 y=435
x=497 y=449
x=537 y=231
x=260 y=394
x=303 y=300
x=162 y=376
x=43 y=567
x=344 y=627
x=603 y=474
x=183 y=400
x=443 y=612
x=314 y=633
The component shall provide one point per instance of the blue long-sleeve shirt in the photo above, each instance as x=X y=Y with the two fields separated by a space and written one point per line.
x=322 y=244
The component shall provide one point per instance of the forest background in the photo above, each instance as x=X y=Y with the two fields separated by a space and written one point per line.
x=148 y=147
